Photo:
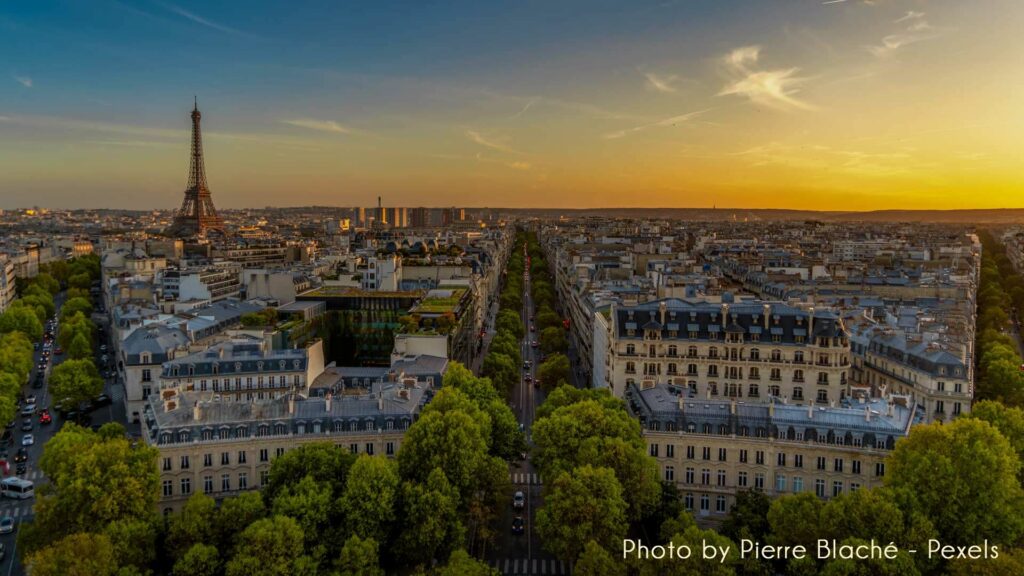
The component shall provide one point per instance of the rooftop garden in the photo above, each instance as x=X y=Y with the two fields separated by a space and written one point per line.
x=438 y=304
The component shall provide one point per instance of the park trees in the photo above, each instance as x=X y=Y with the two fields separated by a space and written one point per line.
x=582 y=505
x=74 y=382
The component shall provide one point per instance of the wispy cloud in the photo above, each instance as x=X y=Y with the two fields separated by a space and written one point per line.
x=482 y=140
x=672 y=121
x=24 y=81
x=832 y=2
x=321 y=125
x=660 y=83
x=917 y=29
x=200 y=20
x=519 y=165
x=772 y=88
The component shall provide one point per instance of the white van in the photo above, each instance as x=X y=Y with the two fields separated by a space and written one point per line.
x=17 y=488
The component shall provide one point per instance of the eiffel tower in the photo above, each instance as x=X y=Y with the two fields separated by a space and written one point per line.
x=197 y=215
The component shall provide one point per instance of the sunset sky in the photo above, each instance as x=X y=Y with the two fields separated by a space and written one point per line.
x=831 y=105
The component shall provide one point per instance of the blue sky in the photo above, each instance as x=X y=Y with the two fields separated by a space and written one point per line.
x=518 y=103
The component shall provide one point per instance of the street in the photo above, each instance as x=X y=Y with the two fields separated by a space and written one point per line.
x=21 y=510
x=522 y=554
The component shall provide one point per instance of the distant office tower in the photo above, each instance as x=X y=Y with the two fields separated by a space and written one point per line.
x=359 y=216
x=197 y=215
x=450 y=215
x=396 y=217
x=419 y=217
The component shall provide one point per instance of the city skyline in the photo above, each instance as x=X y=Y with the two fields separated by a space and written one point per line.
x=846 y=106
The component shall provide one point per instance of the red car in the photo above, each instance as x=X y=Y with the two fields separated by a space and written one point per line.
x=45 y=418
x=58 y=351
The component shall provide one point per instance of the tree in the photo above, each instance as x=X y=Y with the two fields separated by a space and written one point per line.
x=134 y=542
x=359 y=557
x=235 y=515
x=1009 y=421
x=47 y=282
x=81 y=554
x=553 y=340
x=74 y=382
x=460 y=563
x=312 y=505
x=502 y=370
x=748 y=517
x=635 y=470
x=902 y=565
x=1009 y=563
x=323 y=461
x=93 y=481
x=431 y=528
x=199 y=560
x=193 y=525
x=76 y=306
x=21 y=319
x=370 y=499
x=583 y=505
x=596 y=561
x=554 y=370
x=271 y=547
x=80 y=347
x=696 y=539
x=979 y=496
x=81 y=280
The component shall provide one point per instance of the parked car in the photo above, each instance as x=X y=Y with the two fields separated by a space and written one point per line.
x=26 y=426
x=58 y=351
x=28 y=440
x=28 y=410
x=518 y=525
x=31 y=399
x=519 y=500
x=6 y=525
x=101 y=400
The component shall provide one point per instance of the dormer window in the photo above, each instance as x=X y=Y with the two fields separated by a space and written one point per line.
x=238 y=366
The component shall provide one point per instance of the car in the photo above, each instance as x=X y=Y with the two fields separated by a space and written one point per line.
x=35 y=346
x=103 y=347
x=21 y=455
x=28 y=410
x=26 y=426
x=518 y=525
x=45 y=418
x=533 y=328
x=31 y=399
x=536 y=383
x=28 y=440
x=58 y=351
x=519 y=500
x=527 y=378
x=101 y=400
x=21 y=468
x=533 y=344
x=6 y=525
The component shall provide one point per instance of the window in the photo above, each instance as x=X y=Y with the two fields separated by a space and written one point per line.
x=720 y=478
x=821 y=463
x=353 y=448
x=837 y=488
x=720 y=504
x=654 y=450
x=755 y=374
x=780 y=483
x=855 y=465
x=760 y=457
x=880 y=469
x=780 y=458
x=741 y=479
x=759 y=481
x=184 y=462
x=279 y=452
x=705 y=476
x=798 y=460
x=389 y=449
x=168 y=488
x=689 y=475
x=207 y=460
x=225 y=483
x=775 y=375
x=798 y=484
x=147 y=376
x=722 y=455
x=688 y=501
x=690 y=452
x=207 y=484
x=705 y=503
x=854 y=486
x=823 y=378
x=670 y=473
x=798 y=375
x=186 y=486
x=167 y=464
x=819 y=488
x=630 y=349
x=743 y=456
x=838 y=465
x=705 y=453
x=264 y=477
x=798 y=393
x=713 y=370
x=369 y=448
x=264 y=455
x=225 y=458
x=630 y=367
x=243 y=481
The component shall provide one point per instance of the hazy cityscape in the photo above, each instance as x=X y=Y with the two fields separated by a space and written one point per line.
x=712 y=314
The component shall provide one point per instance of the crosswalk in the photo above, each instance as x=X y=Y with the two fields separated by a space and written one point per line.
x=16 y=509
x=528 y=478
x=530 y=567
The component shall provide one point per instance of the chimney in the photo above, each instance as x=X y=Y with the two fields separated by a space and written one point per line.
x=810 y=325
x=291 y=404
x=890 y=408
x=380 y=401
x=867 y=414
x=767 y=313
x=682 y=403
x=725 y=313
x=197 y=412
x=661 y=312
x=327 y=402
x=810 y=410
x=732 y=407
x=771 y=409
